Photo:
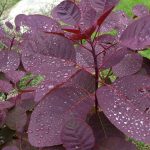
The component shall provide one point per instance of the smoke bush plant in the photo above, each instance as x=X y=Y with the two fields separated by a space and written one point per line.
x=96 y=86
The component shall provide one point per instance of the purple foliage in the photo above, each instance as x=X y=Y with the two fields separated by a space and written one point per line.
x=14 y=76
x=76 y=134
x=5 y=86
x=140 y=10
x=9 y=60
x=52 y=112
x=129 y=105
x=16 y=119
x=95 y=87
x=68 y=12
x=10 y=148
x=130 y=64
x=136 y=36
x=115 y=143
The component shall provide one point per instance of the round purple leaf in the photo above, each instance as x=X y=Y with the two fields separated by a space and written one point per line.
x=126 y=103
x=14 y=76
x=16 y=119
x=137 y=34
x=68 y=12
x=9 y=60
x=50 y=115
x=77 y=134
x=115 y=143
x=10 y=148
x=140 y=10
x=5 y=86
x=130 y=64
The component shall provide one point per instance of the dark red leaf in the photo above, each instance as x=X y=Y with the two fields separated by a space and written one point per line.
x=140 y=10
x=115 y=143
x=5 y=86
x=76 y=134
x=104 y=16
x=102 y=127
x=59 y=147
x=10 y=148
x=5 y=105
x=103 y=5
x=88 y=15
x=130 y=64
x=83 y=80
x=9 y=25
x=137 y=34
x=50 y=115
x=85 y=35
x=68 y=12
x=126 y=103
x=14 y=76
x=54 y=69
x=36 y=23
x=71 y=30
x=16 y=119
x=9 y=60
x=27 y=101
x=50 y=45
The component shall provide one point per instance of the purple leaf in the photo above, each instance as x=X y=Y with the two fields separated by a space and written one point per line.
x=14 y=76
x=106 y=39
x=5 y=86
x=84 y=57
x=76 y=134
x=5 y=105
x=9 y=60
x=115 y=143
x=44 y=88
x=59 y=147
x=10 y=148
x=50 y=45
x=117 y=20
x=102 y=127
x=137 y=34
x=103 y=5
x=126 y=103
x=54 y=69
x=16 y=119
x=68 y=12
x=140 y=10
x=130 y=64
x=9 y=25
x=37 y=23
x=88 y=15
x=50 y=115
x=98 y=5
x=111 y=54
x=83 y=80
x=49 y=57
x=27 y=101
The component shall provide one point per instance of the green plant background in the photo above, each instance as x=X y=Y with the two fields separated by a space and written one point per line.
x=125 y=5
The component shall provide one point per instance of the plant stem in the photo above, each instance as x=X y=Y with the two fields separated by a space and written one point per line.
x=96 y=74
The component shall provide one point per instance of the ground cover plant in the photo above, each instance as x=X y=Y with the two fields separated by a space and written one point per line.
x=95 y=86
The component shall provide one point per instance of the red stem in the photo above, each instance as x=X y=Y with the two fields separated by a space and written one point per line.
x=96 y=74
